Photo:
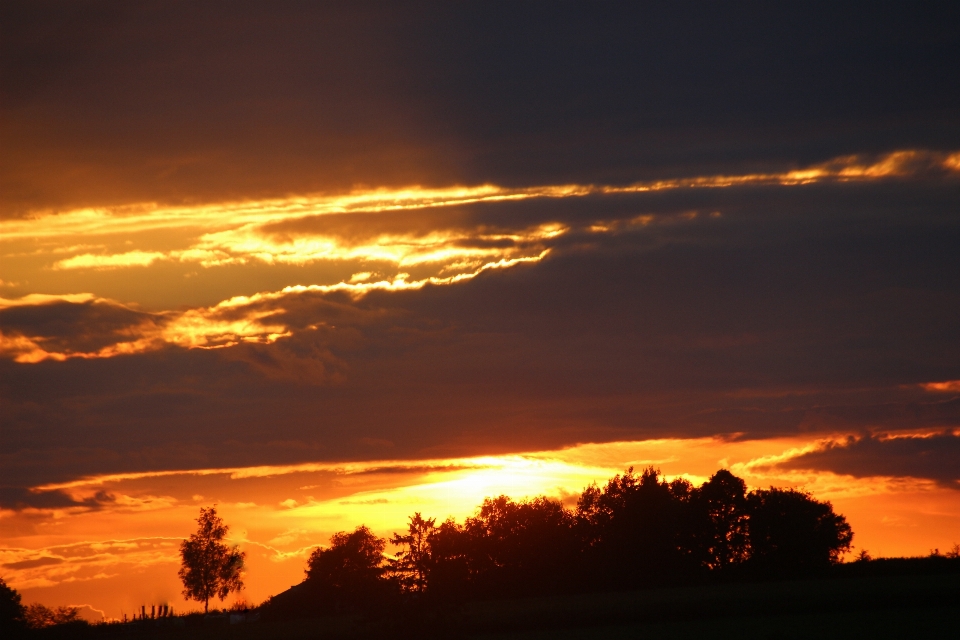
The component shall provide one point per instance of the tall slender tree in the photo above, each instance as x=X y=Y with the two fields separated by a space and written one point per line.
x=209 y=568
x=412 y=562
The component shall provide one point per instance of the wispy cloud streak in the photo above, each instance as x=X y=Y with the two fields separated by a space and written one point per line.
x=242 y=319
x=296 y=231
x=231 y=232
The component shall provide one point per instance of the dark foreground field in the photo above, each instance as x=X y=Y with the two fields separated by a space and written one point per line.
x=926 y=606
x=900 y=607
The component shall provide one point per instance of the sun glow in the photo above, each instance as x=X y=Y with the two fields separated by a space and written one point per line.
x=279 y=513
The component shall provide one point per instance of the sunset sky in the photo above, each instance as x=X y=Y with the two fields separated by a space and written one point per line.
x=329 y=264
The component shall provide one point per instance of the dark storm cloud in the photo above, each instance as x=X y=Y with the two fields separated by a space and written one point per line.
x=118 y=102
x=935 y=457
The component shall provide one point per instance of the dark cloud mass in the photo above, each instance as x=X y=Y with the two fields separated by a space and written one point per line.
x=75 y=326
x=753 y=311
x=139 y=101
x=935 y=457
x=21 y=498
x=29 y=564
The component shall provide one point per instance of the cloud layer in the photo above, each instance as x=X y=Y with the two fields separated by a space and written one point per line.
x=147 y=102
x=763 y=308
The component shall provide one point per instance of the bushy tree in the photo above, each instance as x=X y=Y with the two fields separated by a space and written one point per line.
x=11 y=610
x=209 y=568
x=350 y=571
x=521 y=547
x=451 y=561
x=634 y=531
x=38 y=616
x=719 y=522
x=791 y=533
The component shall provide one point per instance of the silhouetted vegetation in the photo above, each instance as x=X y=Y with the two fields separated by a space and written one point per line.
x=209 y=568
x=11 y=611
x=38 y=616
x=918 y=604
x=412 y=563
x=638 y=556
x=350 y=572
x=16 y=620
x=638 y=531
x=790 y=533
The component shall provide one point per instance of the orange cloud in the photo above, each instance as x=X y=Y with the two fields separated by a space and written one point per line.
x=93 y=328
x=233 y=233
x=128 y=259
x=228 y=323
x=950 y=386
x=303 y=230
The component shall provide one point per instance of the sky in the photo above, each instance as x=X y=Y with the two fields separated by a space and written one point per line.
x=331 y=264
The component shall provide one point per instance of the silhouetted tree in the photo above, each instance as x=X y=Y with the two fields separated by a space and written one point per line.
x=719 y=521
x=521 y=547
x=451 y=558
x=412 y=564
x=636 y=531
x=209 y=568
x=11 y=611
x=37 y=616
x=350 y=571
x=633 y=529
x=790 y=532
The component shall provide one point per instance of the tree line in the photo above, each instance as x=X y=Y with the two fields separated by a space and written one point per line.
x=637 y=531
x=16 y=618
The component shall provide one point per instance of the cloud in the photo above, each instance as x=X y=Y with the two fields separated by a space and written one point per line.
x=933 y=456
x=37 y=327
x=947 y=386
x=816 y=308
x=84 y=560
x=96 y=328
x=19 y=498
x=42 y=561
x=89 y=612
x=303 y=99
x=128 y=259
x=367 y=467
x=415 y=221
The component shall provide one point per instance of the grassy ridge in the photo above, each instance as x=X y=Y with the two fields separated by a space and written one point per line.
x=891 y=606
